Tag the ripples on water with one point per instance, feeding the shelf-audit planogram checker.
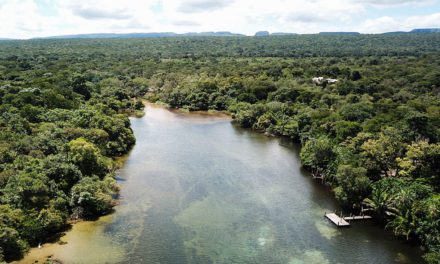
(195, 189)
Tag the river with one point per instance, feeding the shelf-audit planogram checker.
(197, 189)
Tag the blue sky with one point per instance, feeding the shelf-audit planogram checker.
(35, 18)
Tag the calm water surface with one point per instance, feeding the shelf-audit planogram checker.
(195, 189)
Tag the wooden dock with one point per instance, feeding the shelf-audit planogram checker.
(339, 221)
(359, 217)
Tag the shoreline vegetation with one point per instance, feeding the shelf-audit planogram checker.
(60, 141)
(374, 134)
(56, 243)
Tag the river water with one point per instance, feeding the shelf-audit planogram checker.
(196, 189)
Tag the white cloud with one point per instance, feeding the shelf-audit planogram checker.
(184, 23)
(380, 24)
(428, 21)
(93, 13)
(246, 16)
(389, 24)
(197, 6)
(24, 18)
(20, 16)
(395, 2)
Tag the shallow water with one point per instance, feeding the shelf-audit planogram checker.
(196, 189)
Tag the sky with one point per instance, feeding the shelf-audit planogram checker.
(39, 18)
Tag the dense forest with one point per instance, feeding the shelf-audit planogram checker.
(370, 128)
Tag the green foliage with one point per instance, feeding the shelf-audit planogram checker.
(422, 162)
(91, 197)
(374, 134)
(64, 174)
(399, 201)
(27, 190)
(79, 86)
(346, 129)
(60, 125)
(247, 114)
(381, 154)
(11, 243)
(317, 154)
(357, 112)
(87, 157)
(353, 185)
(427, 216)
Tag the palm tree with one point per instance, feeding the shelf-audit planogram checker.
(403, 225)
(381, 203)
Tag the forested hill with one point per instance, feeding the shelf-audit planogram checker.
(296, 46)
(371, 127)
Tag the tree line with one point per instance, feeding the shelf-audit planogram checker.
(373, 135)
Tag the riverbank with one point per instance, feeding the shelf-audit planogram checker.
(196, 189)
(79, 231)
(188, 113)
(348, 207)
(80, 238)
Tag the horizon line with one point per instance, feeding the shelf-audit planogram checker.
(227, 33)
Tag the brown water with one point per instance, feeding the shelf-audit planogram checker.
(196, 189)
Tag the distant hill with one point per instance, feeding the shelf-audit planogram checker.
(425, 30)
(282, 34)
(266, 33)
(262, 34)
(210, 34)
(417, 30)
(339, 33)
(142, 35)
(396, 32)
(113, 35)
